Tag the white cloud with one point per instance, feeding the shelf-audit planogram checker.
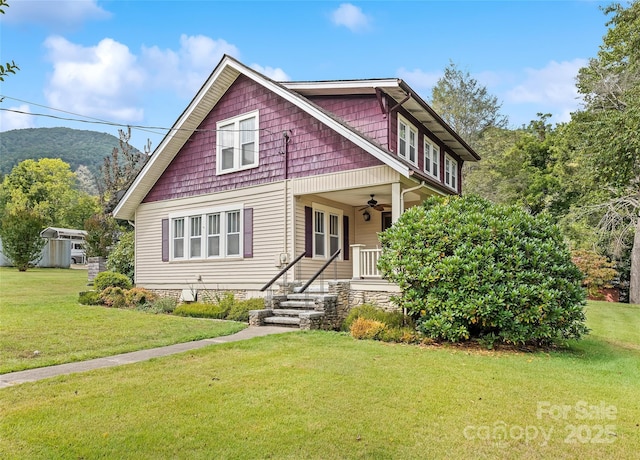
(351, 17)
(13, 120)
(419, 79)
(186, 69)
(275, 74)
(99, 81)
(54, 13)
(553, 84)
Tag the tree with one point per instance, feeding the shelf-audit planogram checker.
(609, 125)
(470, 269)
(21, 241)
(119, 172)
(8, 67)
(466, 105)
(102, 231)
(47, 187)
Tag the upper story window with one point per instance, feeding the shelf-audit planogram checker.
(212, 233)
(237, 143)
(450, 172)
(407, 140)
(431, 158)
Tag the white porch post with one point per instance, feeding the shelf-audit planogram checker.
(396, 202)
(355, 253)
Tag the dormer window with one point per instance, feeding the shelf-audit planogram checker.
(237, 143)
(407, 140)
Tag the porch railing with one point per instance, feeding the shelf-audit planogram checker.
(365, 261)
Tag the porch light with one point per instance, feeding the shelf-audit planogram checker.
(366, 216)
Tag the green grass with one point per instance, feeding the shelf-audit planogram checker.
(327, 396)
(39, 312)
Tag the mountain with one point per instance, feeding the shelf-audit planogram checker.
(74, 146)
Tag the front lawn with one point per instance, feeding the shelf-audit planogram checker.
(42, 323)
(324, 395)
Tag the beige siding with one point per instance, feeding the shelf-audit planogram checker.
(378, 175)
(267, 202)
(341, 269)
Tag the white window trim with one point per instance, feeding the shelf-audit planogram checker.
(237, 151)
(410, 127)
(434, 151)
(453, 172)
(203, 213)
(327, 210)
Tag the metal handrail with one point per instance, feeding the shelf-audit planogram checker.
(282, 272)
(319, 272)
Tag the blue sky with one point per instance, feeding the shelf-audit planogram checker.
(141, 62)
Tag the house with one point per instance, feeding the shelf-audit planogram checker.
(257, 174)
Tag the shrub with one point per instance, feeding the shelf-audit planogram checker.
(240, 309)
(389, 318)
(89, 298)
(165, 304)
(471, 269)
(121, 257)
(400, 335)
(114, 297)
(201, 310)
(138, 297)
(363, 329)
(107, 279)
(597, 270)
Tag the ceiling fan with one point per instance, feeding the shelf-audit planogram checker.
(373, 203)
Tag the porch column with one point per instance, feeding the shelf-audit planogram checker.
(396, 202)
(355, 261)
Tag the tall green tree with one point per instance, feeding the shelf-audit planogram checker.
(609, 126)
(466, 105)
(47, 187)
(20, 234)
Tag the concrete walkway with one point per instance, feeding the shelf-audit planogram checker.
(32, 375)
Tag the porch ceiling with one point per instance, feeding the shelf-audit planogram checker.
(359, 197)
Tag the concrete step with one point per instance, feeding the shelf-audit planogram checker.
(289, 311)
(298, 304)
(309, 296)
(291, 321)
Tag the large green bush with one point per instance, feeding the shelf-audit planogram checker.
(107, 279)
(121, 258)
(471, 269)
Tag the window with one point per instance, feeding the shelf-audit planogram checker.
(327, 234)
(195, 237)
(451, 172)
(212, 234)
(407, 140)
(237, 143)
(233, 233)
(319, 235)
(431, 159)
(178, 239)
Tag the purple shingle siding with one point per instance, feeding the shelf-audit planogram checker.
(313, 148)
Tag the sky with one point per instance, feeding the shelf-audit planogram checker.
(119, 63)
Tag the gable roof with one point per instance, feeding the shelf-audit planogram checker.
(223, 76)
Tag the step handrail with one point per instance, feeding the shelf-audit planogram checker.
(282, 272)
(313, 278)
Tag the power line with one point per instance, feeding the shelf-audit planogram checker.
(98, 121)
